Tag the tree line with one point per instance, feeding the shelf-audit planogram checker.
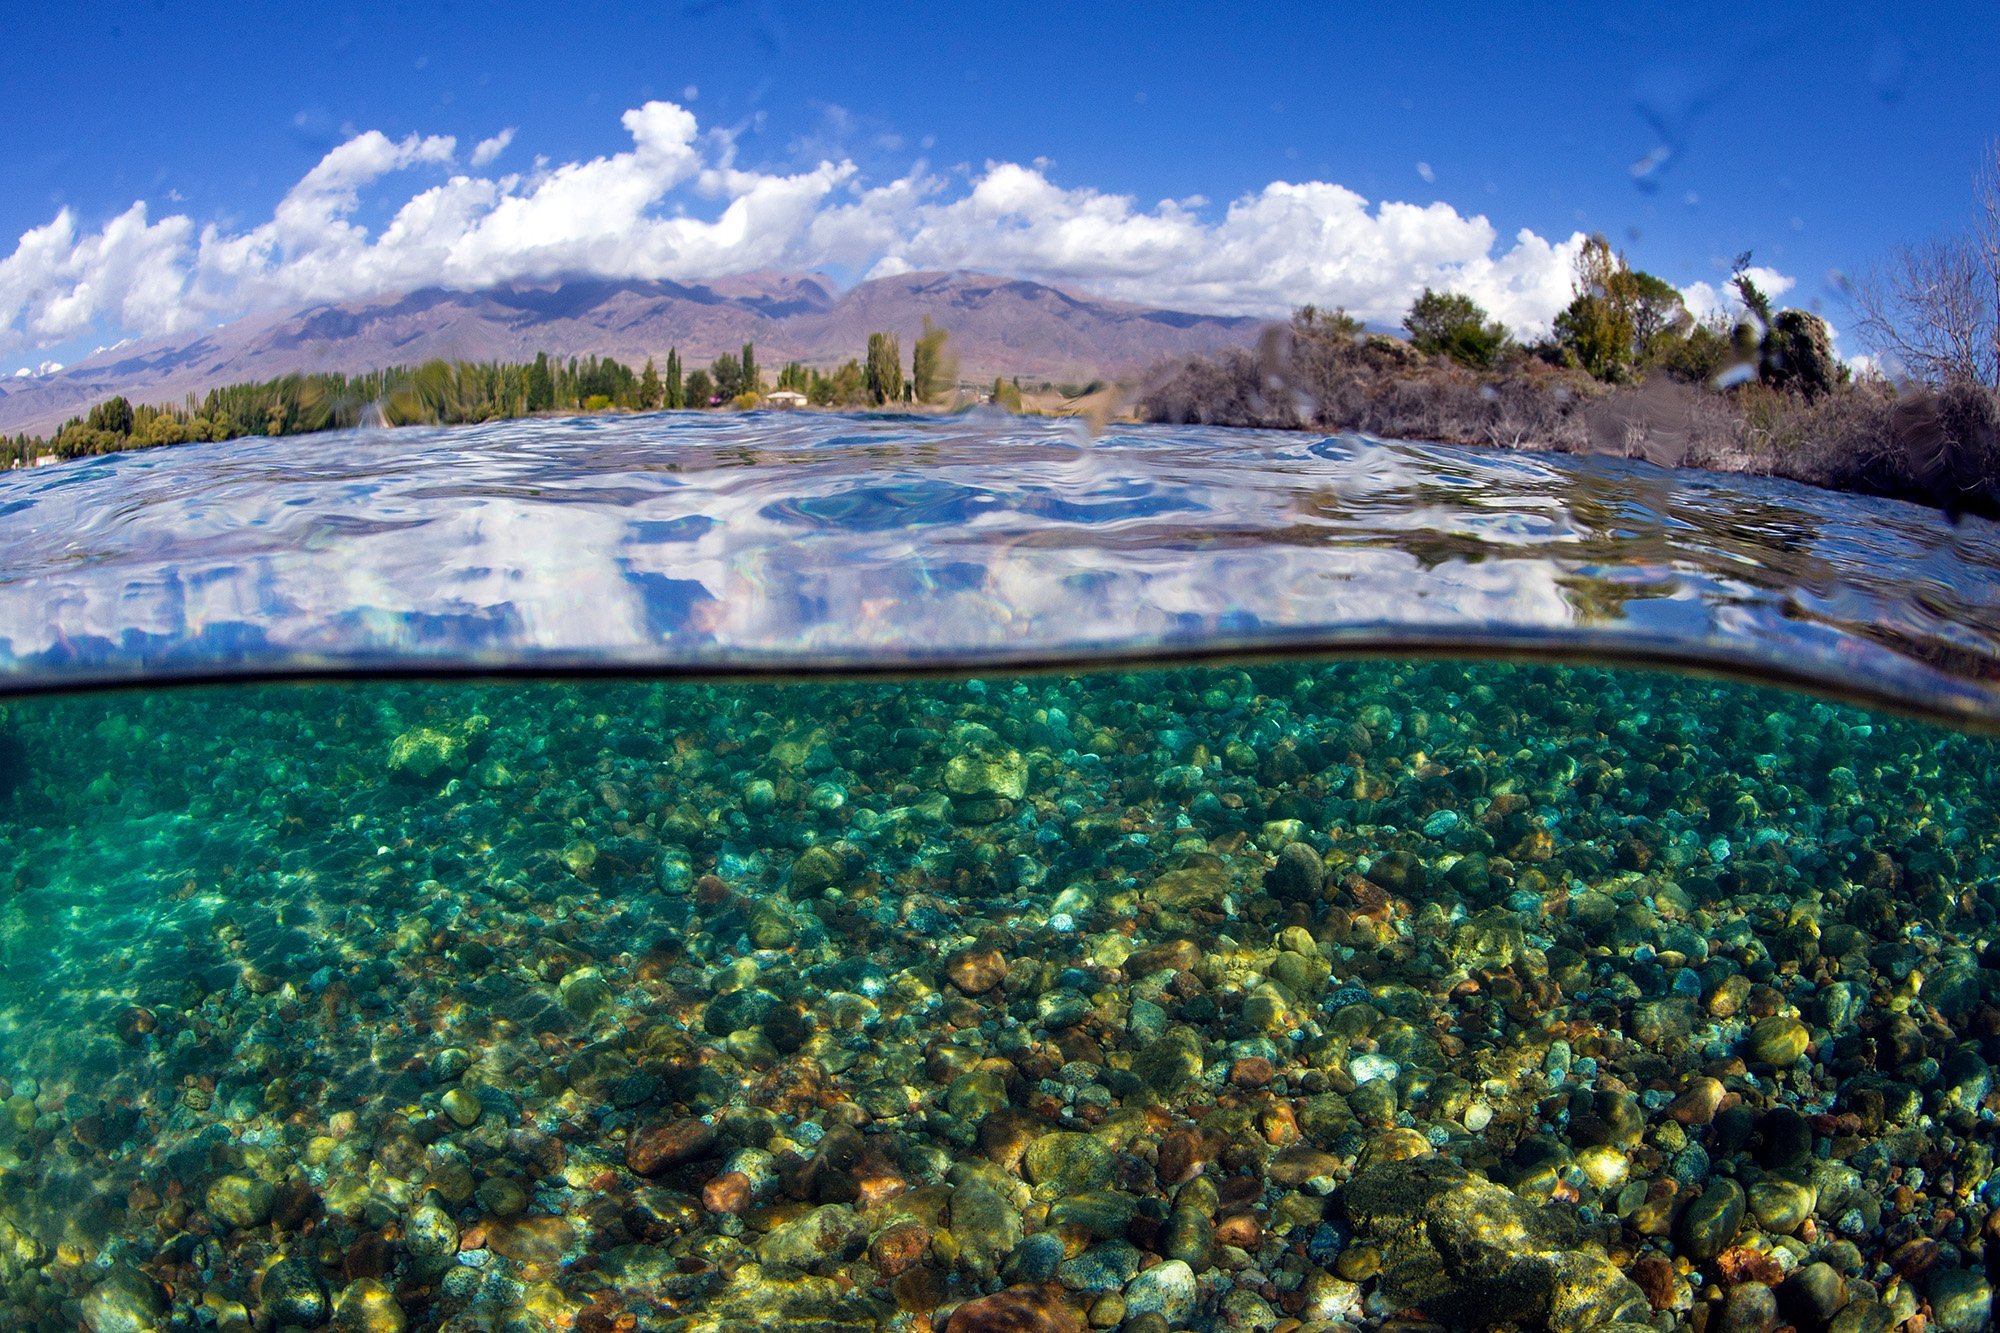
(468, 392)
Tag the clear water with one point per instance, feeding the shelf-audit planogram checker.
(1289, 992)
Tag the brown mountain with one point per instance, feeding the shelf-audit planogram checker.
(999, 326)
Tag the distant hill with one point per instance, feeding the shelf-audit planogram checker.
(999, 326)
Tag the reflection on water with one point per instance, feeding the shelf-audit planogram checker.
(676, 539)
(1306, 996)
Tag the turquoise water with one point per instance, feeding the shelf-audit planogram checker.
(1280, 994)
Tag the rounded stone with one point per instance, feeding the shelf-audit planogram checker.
(1781, 1205)
(462, 1106)
(1712, 1220)
(368, 1306)
(126, 1301)
(293, 1294)
(1778, 1042)
(239, 1202)
(1751, 1307)
(1961, 1301)
(1065, 1163)
(1166, 1289)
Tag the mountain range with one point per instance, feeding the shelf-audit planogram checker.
(998, 326)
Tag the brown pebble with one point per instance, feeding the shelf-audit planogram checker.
(1038, 1309)
(1743, 1264)
(655, 1147)
(1915, 1258)
(727, 1193)
(976, 971)
(899, 1248)
(1252, 1071)
(1181, 1152)
(1698, 1104)
(1172, 956)
(1655, 1277)
(1242, 1231)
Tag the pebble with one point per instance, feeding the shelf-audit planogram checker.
(1166, 1289)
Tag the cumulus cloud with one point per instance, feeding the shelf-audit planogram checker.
(489, 149)
(676, 204)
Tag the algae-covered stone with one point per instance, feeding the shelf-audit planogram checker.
(125, 1301)
(1712, 1220)
(1468, 1251)
(983, 766)
(293, 1294)
(1103, 1213)
(368, 1306)
(1190, 1237)
(975, 1094)
(823, 1237)
(1199, 887)
(1961, 1301)
(985, 1226)
(462, 1106)
(1065, 1163)
(1173, 1062)
(423, 752)
(1778, 1042)
(817, 869)
(239, 1202)
(1781, 1205)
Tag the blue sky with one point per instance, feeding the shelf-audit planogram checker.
(1040, 139)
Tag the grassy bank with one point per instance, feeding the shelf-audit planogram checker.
(1938, 446)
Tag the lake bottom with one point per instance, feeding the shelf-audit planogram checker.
(1298, 997)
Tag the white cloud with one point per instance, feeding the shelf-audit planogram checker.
(676, 204)
(489, 149)
(1706, 300)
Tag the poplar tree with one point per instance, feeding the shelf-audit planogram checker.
(885, 368)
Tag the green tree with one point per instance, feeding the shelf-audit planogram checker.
(794, 377)
(1452, 324)
(885, 368)
(727, 372)
(673, 390)
(112, 416)
(1660, 318)
(1006, 395)
(850, 384)
(752, 381)
(933, 370)
(651, 393)
(541, 385)
(699, 389)
(1596, 327)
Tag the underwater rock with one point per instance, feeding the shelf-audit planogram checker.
(1065, 1163)
(1466, 1249)
(825, 1236)
(656, 1147)
(423, 752)
(1777, 1042)
(976, 971)
(1023, 1309)
(985, 1226)
(1167, 1290)
(1298, 875)
(293, 1294)
(368, 1306)
(240, 1202)
(125, 1301)
(1712, 1220)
